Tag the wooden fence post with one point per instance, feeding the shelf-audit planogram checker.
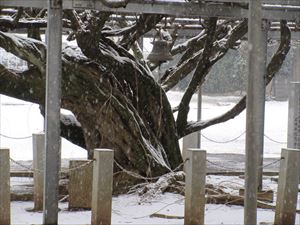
(195, 187)
(102, 186)
(287, 192)
(80, 184)
(38, 145)
(4, 187)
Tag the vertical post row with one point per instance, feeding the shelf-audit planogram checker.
(287, 187)
(195, 187)
(253, 120)
(102, 186)
(4, 187)
(53, 96)
(38, 145)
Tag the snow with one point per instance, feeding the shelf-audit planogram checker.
(131, 209)
(21, 119)
(128, 210)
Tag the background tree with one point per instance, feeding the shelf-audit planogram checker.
(110, 88)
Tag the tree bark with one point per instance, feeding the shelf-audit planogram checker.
(112, 106)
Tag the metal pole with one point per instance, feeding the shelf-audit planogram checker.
(253, 116)
(293, 139)
(261, 104)
(199, 114)
(53, 95)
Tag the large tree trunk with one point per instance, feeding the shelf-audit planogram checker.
(117, 102)
(119, 107)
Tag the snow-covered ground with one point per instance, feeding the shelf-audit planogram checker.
(132, 209)
(127, 210)
(20, 119)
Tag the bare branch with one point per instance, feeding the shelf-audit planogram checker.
(220, 48)
(76, 22)
(272, 68)
(201, 70)
(144, 24)
(189, 43)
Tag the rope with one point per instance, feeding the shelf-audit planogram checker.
(271, 139)
(77, 167)
(61, 171)
(221, 166)
(135, 175)
(274, 162)
(236, 138)
(180, 165)
(233, 169)
(63, 198)
(223, 142)
(15, 138)
(23, 166)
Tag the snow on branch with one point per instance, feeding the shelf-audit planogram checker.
(28, 49)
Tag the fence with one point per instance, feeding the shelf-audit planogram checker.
(101, 183)
(101, 187)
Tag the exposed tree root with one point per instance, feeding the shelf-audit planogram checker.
(174, 182)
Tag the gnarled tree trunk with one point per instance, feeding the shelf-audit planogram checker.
(113, 95)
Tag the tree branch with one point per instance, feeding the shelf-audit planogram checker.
(198, 76)
(272, 68)
(186, 67)
(32, 51)
(76, 23)
(144, 24)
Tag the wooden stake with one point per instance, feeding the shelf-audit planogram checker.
(4, 187)
(102, 186)
(287, 187)
(195, 187)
